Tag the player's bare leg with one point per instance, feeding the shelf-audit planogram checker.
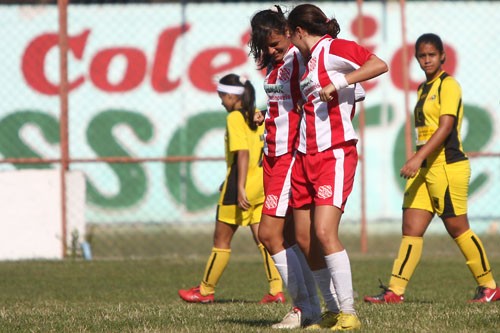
(309, 244)
(275, 294)
(326, 225)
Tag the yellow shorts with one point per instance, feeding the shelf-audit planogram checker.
(440, 189)
(232, 214)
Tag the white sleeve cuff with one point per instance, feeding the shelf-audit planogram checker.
(339, 81)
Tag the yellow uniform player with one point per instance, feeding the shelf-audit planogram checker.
(431, 189)
(438, 180)
(240, 137)
(242, 194)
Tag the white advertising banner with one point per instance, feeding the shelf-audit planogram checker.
(31, 226)
(142, 84)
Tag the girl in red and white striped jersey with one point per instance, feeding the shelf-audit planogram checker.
(272, 50)
(324, 169)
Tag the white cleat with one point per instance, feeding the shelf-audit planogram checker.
(292, 319)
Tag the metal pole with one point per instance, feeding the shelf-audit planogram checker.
(362, 123)
(406, 81)
(63, 127)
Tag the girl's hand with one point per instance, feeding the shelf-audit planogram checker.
(243, 202)
(411, 167)
(326, 93)
(258, 118)
(299, 107)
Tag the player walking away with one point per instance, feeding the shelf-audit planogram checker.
(323, 172)
(438, 179)
(242, 193)
(272, 50)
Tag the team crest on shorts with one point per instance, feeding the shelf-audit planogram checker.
(271, 201)
(325, 191)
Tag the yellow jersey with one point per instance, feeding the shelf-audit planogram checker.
(441, 96)
(239, 136)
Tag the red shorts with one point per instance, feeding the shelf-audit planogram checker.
(277, 172)
(324, 178)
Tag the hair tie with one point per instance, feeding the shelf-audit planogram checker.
(327, 20)
(243, 80)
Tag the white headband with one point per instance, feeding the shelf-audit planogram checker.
(235, 90)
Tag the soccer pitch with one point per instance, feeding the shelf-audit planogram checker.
(140, 295)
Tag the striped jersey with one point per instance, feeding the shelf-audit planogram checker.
(328, 124)
(283, 92)
(441, 96)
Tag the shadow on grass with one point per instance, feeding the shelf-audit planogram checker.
(249, 322)
(406, 301)
(222, 301)
(227, 301)
(418, 301)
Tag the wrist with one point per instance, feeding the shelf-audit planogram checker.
(339, 81)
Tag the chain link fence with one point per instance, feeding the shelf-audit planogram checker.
(145, 126)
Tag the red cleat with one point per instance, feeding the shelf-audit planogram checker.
(386, 297)
(193, 295)
(278, 298)
(486, 295)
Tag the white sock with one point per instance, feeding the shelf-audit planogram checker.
(325, 284)
(340, 270)
(288, 265)
(310, 282)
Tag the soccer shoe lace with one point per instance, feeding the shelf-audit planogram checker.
(486, 295)
(346, 322)
(194, 295)
(268, 298)
(328, 319)
(292, 319)
(387, 296)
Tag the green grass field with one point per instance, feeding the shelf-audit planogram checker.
(109, 294)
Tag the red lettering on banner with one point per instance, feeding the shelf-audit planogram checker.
(33, 61)
(369, 28)
(163, 56)
(203, 71)
(132, 77)
(450, 64)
